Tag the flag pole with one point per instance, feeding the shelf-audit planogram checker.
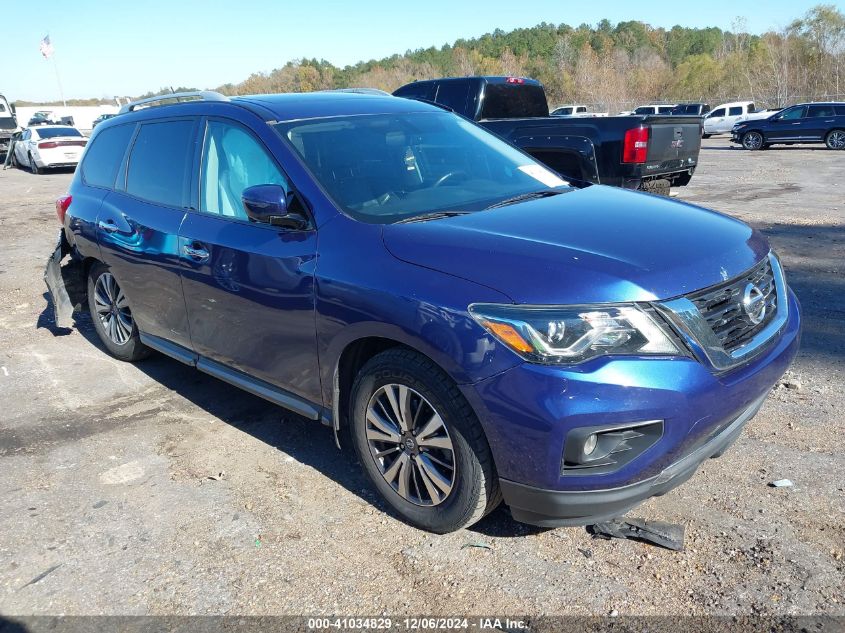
(58, 80)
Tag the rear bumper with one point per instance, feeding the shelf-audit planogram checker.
(553, 508)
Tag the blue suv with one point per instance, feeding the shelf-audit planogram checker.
(478, 328)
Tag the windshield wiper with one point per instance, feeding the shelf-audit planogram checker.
(531, 195)
(434, 215)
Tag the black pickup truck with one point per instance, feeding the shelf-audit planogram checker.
(649, 152)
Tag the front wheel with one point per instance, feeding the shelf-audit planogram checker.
(112, 316)
(752, 140)
(420, 443)
(33, 166)
(835, 139)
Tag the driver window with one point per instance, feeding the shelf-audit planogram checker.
(232, 161)
(719, 112)
(796, 113)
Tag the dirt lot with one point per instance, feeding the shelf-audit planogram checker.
(154, 489)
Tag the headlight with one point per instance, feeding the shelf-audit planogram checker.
(572, 334)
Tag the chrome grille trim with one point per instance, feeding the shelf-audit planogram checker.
(700, 336)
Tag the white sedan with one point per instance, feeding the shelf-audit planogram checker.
(45, 146)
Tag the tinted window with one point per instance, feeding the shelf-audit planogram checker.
(582, 109)
(719, 112)
(665, 110)
(454, 95)
(51, 132)
(750, 107)
(644, 110)
(417, 90)
(840, 110)
(158, 165)
(735, 111)
(506, 101)
(232, 161)
(794, 113)
(562, 111)
(821, 110)
(104, 155)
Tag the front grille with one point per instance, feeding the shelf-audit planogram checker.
(722, 307)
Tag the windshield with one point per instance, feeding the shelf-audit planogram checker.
(50, 132)
(383, 168)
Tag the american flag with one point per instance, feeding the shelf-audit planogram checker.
(46, 47)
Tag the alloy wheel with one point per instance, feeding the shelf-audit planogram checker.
(836, 139)
(112, 309)
(410, 445)
(752, 140)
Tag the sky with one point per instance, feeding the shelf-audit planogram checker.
(103, 49)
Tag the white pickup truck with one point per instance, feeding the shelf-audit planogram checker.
(575, 110)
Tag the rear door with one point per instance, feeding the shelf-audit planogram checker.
(819, 120)
(138, 225)
(249, 287)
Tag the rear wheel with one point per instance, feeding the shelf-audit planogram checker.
(835, 139)
(420, 443)
(706, 135)
(752, 141)
(112, 316)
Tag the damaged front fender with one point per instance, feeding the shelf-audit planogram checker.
(65, 283)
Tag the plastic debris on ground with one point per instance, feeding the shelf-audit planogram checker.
(668, 535)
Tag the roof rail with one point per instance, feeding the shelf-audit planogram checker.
(175, 97)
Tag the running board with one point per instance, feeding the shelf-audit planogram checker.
(234, 377)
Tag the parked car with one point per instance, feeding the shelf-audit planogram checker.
(722, 118)
(643, 152)
(654, 108)
(8, 126)
(575, 111)
(690, 109)
(48, 146)
(802, 123)
(101, 118)
(483, 329)
(42, 117)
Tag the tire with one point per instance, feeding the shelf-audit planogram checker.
(706, 135)
(753, 141)
(452, 448)
(835, 139)
(114, 323)
(35, 169)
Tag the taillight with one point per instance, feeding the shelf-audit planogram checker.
(47, 145)
(62, 204)
(635, 148)
(515, 80)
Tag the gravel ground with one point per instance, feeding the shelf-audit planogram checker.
(155, 489)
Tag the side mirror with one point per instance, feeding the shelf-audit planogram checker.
(268, 204)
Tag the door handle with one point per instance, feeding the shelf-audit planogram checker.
(196, 252)
(797, 123)
(107, 225)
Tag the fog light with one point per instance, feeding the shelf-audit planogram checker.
(590, 444)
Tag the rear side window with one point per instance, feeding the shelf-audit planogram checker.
(821, 110)
(735, 111)
(158, 165)
(104, 155)
(417, 90)
(507, 101)
(840, 110)
(454, 94)
(665, 110)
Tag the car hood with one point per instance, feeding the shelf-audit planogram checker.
(598, 244)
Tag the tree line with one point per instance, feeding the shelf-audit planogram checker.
(610, 66)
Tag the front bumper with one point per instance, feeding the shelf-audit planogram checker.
(528, 412)
(554, 508)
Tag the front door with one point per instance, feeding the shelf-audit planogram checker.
(249, 287)
(788, 125)
(138, 226)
